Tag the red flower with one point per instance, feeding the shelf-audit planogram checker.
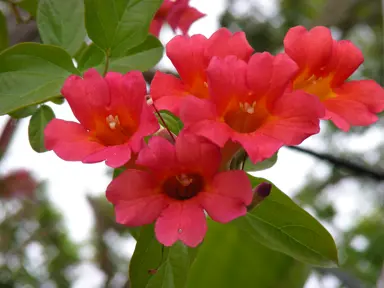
(177, 13)
(191, 57)
(181, 181)
(16, 183)
(325, 65)
(249, 105)
(113, 114)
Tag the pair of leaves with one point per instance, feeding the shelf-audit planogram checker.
(33, 73)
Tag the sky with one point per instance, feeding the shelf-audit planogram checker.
(69, 182)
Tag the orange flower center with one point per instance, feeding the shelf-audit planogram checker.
(246, 117)
(319, 86)
(112, 132)
(183, 186)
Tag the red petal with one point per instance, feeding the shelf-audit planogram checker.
(227, 82)
(135, 197)
(114, 156)
(88, 97)
(258, 146)
(346, 58)
(345, 112)
(141, 211)
(295, 117)
(235, 44)
(181, 220)
(185, 19)
(187, 55)
(155, 27)
(196, 153)
(167, 91)
(159, 155)
(69, 140)
(309, 49)
(367, 92)
(231, 193)
(127, 95)
(270, 75)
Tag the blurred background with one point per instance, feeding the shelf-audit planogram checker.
(57, 229)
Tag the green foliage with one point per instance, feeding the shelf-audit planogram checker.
(142, 57)
(230, 258)
(29, 5)
(283, 226)
(24, 112)
(146, 259)
(4, 40)
(32, 73)
(37, 124)
(173, 122)
(118, 25)
(173, 271)
(61, 23)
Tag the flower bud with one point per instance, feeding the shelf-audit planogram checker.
(260, 192)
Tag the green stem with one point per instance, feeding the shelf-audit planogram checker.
(107, 55)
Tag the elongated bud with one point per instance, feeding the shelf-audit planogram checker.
(260, 192)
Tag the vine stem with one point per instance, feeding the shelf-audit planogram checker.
(106, 67)
(163, 122)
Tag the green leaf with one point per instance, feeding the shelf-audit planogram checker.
(118, 25)
(37, 124)
(29, 5)
(146, 258)
(142, 57)
(173, 271)
(91, 57)
(61, 23)
(32, 73)
(24, 112)
(230, 258)
(282, 225)
(118, 171)
(173, 123)
(266, 164)
(4, 40)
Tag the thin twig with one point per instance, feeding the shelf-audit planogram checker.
(356, 169)
(163, 122)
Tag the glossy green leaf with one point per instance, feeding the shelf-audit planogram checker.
(37, 124)
(32, 73)
(173, 271)
(266, 164)
(61, 23)
(24, 112)
(146, 259)
(230, 258)
(91, 57)
(282, 225)
(118, 25)
(142, 57)
(4, 39)
(29, 5)
(173, 123)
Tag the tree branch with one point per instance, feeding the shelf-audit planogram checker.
(354, 168)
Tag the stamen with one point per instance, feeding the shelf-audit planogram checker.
(180, 231)
(184, 180)
(246, 107)
(206, 84)
(112, 121)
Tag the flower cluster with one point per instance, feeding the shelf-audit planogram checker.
(229, 98)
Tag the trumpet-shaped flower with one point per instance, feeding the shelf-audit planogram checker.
(324, 66)
(177, 13)
(249, 105)
(113, 114)
(191, 57)
(179, 182)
